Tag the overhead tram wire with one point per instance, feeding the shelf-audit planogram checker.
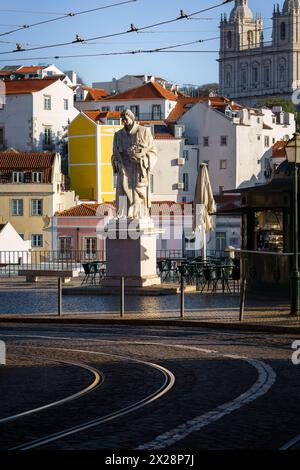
(66, 15)
(133, 29)
(120, 53)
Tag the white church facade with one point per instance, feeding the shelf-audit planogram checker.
(251, 69)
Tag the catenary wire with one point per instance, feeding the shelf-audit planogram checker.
(66, 15)
(121, 33)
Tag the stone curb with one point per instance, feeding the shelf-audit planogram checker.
(295, 330)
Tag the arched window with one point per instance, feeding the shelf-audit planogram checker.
(282, 70)
(282, 31)
(229, 39)
(255, 74)
(267, 72)
(250, 38)
(228, 78)
(244, 76)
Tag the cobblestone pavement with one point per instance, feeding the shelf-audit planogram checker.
(232, 390)
(41, 299)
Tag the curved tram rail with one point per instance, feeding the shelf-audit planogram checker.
(169, 381)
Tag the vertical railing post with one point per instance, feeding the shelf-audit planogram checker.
(59, 296)
(182, 288)
(242, 299)
(122, 296)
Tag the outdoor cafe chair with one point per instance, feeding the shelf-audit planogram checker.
(210, 278)
(167, 269)
(100, 267)
(89, 273)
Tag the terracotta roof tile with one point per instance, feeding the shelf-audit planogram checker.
(100, 115)
(27, 161)
(95, 94)
(27, 86)
(148, 91)
(158, 208)
(31, 69)
(182, 106)
(83, 210)
(184, 103)
(162, 136)
(278, 149)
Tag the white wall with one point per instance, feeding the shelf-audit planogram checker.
(10, 240)
(145, 106)
(24, 117)
(57, 117)
(203, 121)
(166, 172)
(88, 105)
(246, 149)
(16, 118)
(119, 85)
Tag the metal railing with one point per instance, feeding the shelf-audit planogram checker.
(13, 261)
(178, 254)
(156, 116)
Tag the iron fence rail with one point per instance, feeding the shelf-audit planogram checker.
(13, 261)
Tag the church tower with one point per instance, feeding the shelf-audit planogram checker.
(252, 70)
(286, 40)
(239, 34)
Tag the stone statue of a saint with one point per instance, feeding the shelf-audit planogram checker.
(133, 159)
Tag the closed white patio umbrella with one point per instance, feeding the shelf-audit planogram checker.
(204, 205)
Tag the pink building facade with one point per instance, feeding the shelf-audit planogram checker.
(78, 228)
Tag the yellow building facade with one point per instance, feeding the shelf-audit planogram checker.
(31, 192)
(90, 150)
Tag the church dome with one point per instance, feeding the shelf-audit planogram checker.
(241, 11)
(290, 5)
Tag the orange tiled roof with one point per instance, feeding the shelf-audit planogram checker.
(83, 210)
(94, 115)
(278, 149)
(27, 161)
(184, 104)
(27, 86)
(266, 126)
(95, 94)
(165, 136)
(31, 69)
(93, 210)
(148, 91)
(182, 107)
(99, 115)
(5, 73)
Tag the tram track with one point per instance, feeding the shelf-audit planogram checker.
(266, 378)
(98, 379)
(169, 381)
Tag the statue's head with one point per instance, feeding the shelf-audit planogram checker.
(128, 118)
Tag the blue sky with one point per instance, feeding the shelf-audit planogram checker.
(179, 68)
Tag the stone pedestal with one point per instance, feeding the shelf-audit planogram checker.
(131, 252)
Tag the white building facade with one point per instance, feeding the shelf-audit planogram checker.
(36, 114)
(148, 102)
(127, 82)
(236, 144)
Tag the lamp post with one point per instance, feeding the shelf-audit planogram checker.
(293, 155)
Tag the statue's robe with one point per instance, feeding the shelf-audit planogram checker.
(133, 196)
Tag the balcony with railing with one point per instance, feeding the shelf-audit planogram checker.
(155, 116)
